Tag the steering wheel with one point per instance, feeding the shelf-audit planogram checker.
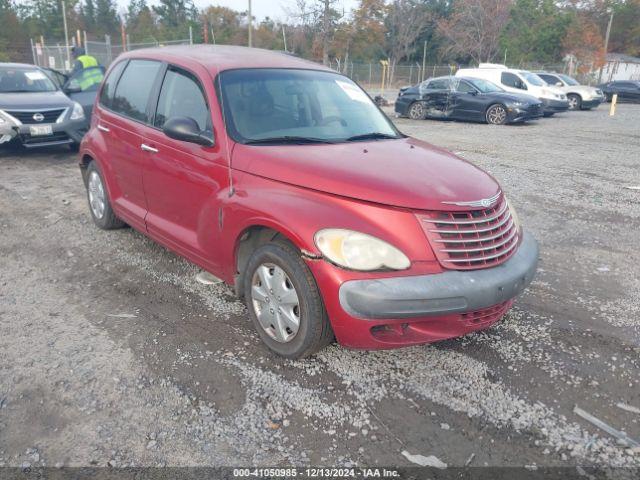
(331, 119)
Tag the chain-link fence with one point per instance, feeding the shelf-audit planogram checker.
(58, 56)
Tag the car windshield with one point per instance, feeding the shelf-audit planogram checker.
(533, 79)
(299, 106)
(485, 86)
(18, 80)
(569, 80)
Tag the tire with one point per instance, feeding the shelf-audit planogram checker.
(417, 111)
(496, 114)
(575, 101)
(98, 198)
(608, 98)
(273, 272)
(548, 114)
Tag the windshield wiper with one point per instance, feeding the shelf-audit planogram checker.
(287, 139)
(370, 136)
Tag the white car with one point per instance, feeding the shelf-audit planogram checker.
(514, 80)
(581, 97)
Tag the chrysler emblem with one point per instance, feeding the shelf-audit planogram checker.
(484, 203)
(38, 117)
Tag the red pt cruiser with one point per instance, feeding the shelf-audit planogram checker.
(284, 179)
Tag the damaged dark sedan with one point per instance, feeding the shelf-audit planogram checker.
(470, 99)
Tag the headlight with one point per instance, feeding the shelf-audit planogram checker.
(77, 113)
(517, 104)
(359, 251)
(514, 215)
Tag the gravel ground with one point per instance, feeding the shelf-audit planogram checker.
(111, 353)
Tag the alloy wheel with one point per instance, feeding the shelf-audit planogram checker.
(573, 102)
(416, 111)
(496, 115)
(96, 195)
(275, 302)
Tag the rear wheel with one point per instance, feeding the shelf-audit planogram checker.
(284, 301)
(99, 205)
(575, 102)
(417, 111)
(496, 115)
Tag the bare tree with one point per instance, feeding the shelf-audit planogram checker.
(320, 16)
(474, 28)
(406, 21)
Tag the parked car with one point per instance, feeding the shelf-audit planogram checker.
(580, 97)
(463, 98)
(627, 90)
(519, 81)
(38, 113)
(76, 87)
(285, 180)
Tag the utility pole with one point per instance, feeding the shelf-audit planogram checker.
(66, 33)
(284, 38)
(606, 44)
(250, 25)
(325, 32)
(424, 61)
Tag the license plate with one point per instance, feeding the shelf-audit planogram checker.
(40, 130)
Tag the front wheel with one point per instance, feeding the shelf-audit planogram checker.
(417, 111)
(284, 302)
(575, 102)
(496, 115)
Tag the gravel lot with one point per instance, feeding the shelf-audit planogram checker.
(111, 353)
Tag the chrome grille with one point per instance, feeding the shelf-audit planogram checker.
(472, 239)
(26, 116)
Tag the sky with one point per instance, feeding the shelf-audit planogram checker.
(275, 9)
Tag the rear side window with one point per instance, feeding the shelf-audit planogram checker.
(182, 96)
(441, 84)
(511, 80)
(132, 93)
(109, 87)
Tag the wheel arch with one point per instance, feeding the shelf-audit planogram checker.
(251, 238)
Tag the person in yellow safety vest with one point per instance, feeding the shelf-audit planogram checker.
(85, 69)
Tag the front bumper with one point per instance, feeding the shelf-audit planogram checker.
(592, 103)
(554, 106)
(443, 293)
(411, 310)
(523, 113)
(63, 133)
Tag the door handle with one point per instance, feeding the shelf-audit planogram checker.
(147, 148)
(103, 129)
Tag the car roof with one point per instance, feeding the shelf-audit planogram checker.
(217, 58)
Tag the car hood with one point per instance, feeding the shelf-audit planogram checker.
(406, 172)
(35, 100)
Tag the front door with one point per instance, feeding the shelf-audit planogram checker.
(182, 180)
(467, 103)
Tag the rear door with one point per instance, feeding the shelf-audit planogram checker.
(629, 90)
(183, 181)
(122, 119)
(436, 97)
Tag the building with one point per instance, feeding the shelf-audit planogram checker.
(619, 66)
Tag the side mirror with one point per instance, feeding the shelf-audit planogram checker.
(71, 89)
(473, 92)
(559, 84)
(186, 129)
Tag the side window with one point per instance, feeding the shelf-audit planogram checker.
(511, 80)
(133, 90)
(440, 84)
(182, 96)
(109, 87)
(550, 79)
(464, 87)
